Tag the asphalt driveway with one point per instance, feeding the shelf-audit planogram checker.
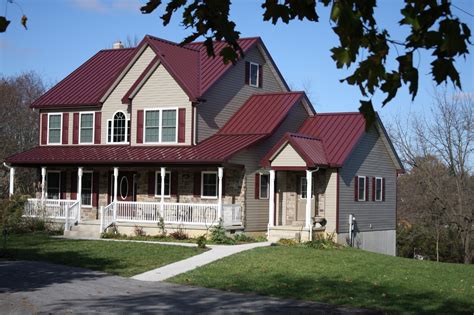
(37, 287)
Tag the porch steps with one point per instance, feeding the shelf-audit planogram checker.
(84, 229)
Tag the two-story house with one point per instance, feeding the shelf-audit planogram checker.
(164, 131)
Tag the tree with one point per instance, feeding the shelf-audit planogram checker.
(438, 152)
(432, 26)
(19, 125)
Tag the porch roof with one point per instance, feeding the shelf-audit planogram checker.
(216, 149)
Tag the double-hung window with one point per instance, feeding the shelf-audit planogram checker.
(54, 128)
(53, 181)
(158, 184)
(161, 126)
(264, 186)
(86, 194)
(254, 74)
(361, 191)
(378, 188)
(209, 185)
(86, 128)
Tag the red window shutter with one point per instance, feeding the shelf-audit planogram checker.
(174, 183)
(97, 127)
(366, 188)
(181, 125)
(65, 128)
(356, 188)
(383, 189)
(73, 185)
(257, 186)
(44, 128)
(63, 185)
(95, 188)
(151, 183)
(75, 128)
(140, 127)
(247, 72)
(223, 184)
(260, 76)
(373, 188)
(197, 184)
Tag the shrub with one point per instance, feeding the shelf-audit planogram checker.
(138, 231)
(241, 237)
(201, 241)
(161, 226)
(179, 234)
(218, 235)
(112, 232)
(287, 242)
(323, 242)
(11, 211)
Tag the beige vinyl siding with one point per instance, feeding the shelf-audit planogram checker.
(161, 91)
(331, 200)
(288, 157)
(370, 158)
(256, 210)
(230, 93)
(114, 102)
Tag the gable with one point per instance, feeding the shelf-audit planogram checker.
(288, 157)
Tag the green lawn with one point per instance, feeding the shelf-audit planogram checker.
(119, 258)
(345, 277)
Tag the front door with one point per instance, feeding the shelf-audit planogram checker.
(126, 189)
(301, 202)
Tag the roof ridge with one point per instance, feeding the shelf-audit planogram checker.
(117, 49)
(335, 113)
(277, 93)
(166, 41)
(220, 41)
(302, 135)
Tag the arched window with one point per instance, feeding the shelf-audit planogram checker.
(118, 130)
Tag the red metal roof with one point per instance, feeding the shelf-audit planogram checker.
(88, 83)
(324, 139)
(216, 149)
(189, 65)
(261, 113)
(340, 132)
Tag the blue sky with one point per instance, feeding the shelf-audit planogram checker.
(64, 34)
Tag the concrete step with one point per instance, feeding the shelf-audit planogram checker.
(84, 229)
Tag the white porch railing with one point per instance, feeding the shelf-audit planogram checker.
(50, 208)
(107, 217)
(232, 215)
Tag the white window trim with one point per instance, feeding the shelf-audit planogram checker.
(300, 195)
(92, 192)
(381, 188)
(250, 74)
(60, 128)
(158, 177)
(127, 123)
(47, 181)
(202, 185)
(160, 127)
(358, 188)
(260, 188)
(93, 127)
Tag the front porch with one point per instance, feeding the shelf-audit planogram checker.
(189, 196)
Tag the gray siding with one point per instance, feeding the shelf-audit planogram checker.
(256, 210)
(370, 158)
(230, 93)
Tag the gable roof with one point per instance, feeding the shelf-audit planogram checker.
(262, 113)
(310, 149)
(189, 65)
(87, 84)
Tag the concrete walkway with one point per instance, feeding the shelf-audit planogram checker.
(217, 252)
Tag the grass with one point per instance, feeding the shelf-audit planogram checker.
(118, 258)
(344, 277)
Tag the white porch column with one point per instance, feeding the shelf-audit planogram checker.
(271, 200)
(12, 181)
(220, 175)
(116, 173)
(43, 184)
(79, 192)
(309, 196)
(162, 192)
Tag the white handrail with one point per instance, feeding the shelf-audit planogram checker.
(107, 216)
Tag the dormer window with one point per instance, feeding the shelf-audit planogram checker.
(118, 128)
(253, 74)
